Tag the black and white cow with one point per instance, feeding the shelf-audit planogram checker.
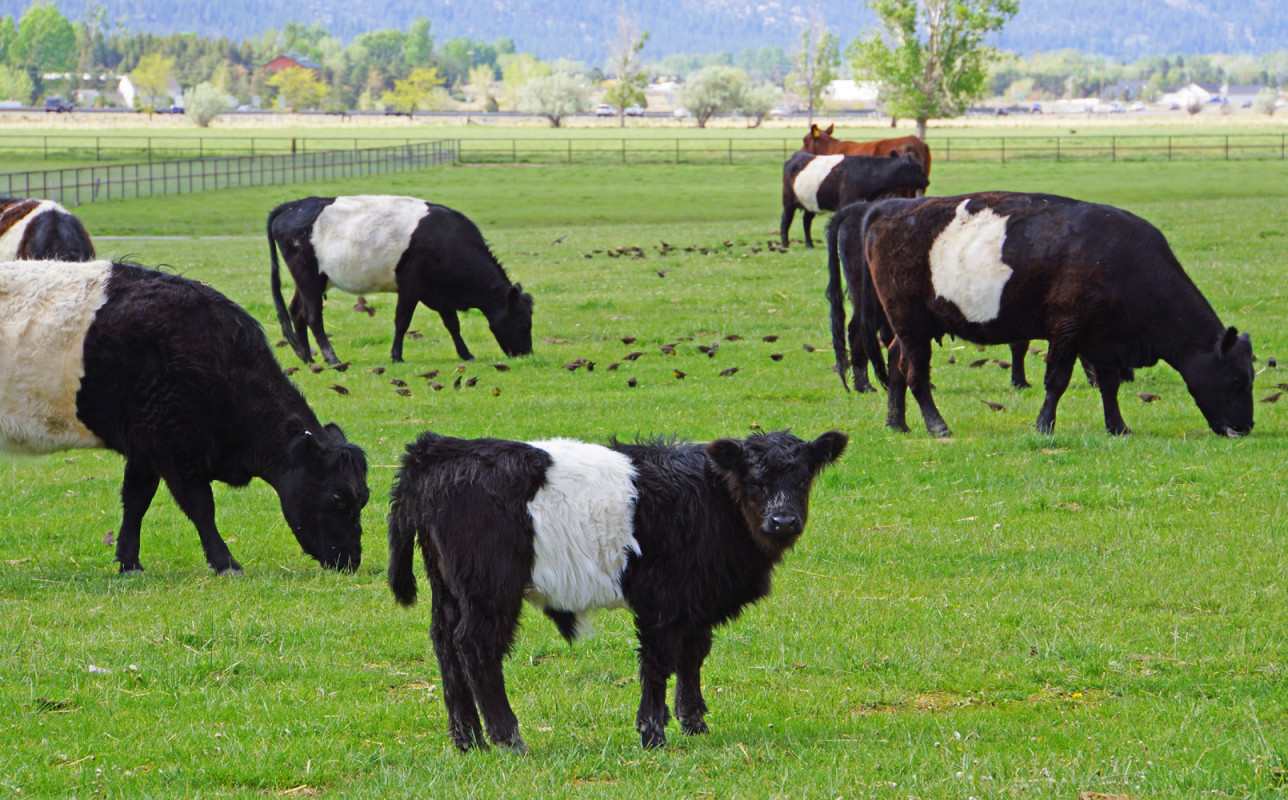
(826, 183)
(685, 536)
(997, 267)
(365, 244)
(181, 381)
(41, 230)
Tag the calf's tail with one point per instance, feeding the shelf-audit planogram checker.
(402, 552)
(834, 298)
(871, 314)
(275, 281)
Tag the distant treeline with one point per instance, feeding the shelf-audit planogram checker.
(93, 52)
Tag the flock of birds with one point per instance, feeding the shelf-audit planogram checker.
(669, 349)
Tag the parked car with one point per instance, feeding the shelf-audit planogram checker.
(605, 110)
(681, 112)
(635, 110)
(58, 105)
(1138, 106)
(169, 109)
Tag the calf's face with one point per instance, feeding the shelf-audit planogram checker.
(323, 494)
(1221, 383)
(770, 476)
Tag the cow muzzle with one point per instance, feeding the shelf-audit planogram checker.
(783, 524)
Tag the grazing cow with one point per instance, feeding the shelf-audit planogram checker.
(181, 381)
(365, 244)
(819, 142)
(685, 536)
(41, 230)
(996, 267)
(826, 183)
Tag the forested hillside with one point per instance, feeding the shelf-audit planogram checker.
(558, 28)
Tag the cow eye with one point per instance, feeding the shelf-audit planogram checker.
(339, 500)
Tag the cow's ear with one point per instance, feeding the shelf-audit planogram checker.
(831, 128)
(827, 448)
(813, 129)
(728, 455)
(1228, 340)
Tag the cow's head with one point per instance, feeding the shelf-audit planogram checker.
(511, 324)
(769, 476)
(323, 489)
(1220, 380)
(906, 177)
(819, 140)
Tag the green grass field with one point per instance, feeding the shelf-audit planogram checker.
(1002, 614)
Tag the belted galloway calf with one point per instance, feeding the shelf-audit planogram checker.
(366, 244)
(684, 535)
(181, 381)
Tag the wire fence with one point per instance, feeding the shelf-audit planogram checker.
(999, 149)
(73, 186)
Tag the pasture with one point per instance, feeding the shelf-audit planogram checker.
(1002, 614)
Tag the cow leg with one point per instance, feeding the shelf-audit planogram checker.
(403, 313)
(690, 707)
(197, 501)
(896, 390)
(137, 491)
(1018, 352)
(462, 716)
(916, 359)
(1060, 361)
(299, 320)
(858, 358)
(657, 663)
(453, 325)
(312, 308)
(789, 213)
(807, 219)
(1108, 381)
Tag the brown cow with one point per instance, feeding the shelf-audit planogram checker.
(819, 142)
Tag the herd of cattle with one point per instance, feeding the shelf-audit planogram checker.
(183, 383)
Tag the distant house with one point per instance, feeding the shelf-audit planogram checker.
(133, 97)
(846, 93)
(1240, 96)
(293, 60)
(1191, 94)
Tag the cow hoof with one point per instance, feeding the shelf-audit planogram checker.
(652, 736)
(1123, 431)
(941, 431)
(864, 388)
(897, 426)
(235, 572)
(131, 569)
(515, 745)
(693, 727)
(1020, 385)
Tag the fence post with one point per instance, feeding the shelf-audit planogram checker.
(96, 148)
(1113, 149)
(46, 140)
(570, 151)
(1003, 149)
(1169, 148)
(677, 151)
(1057, 149)
(623, 149)
(730, 151)
(948, 149)
(1227, 147)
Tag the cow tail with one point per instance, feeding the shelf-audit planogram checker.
(275, 281)
(834, 298)
(402, 549)
(872, 315)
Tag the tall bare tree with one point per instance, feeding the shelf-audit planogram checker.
(816, 64)
(625, 63)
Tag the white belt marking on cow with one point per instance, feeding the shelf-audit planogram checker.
(11, 239)
(585, 530)
(966, 266)
(811, 177)
(46, 308)
(359, 240)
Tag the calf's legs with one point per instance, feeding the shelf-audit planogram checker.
(690, 707)
(1109, 380)
(1060, 361)
(658, 655)
(462, 716)
(453, 325)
